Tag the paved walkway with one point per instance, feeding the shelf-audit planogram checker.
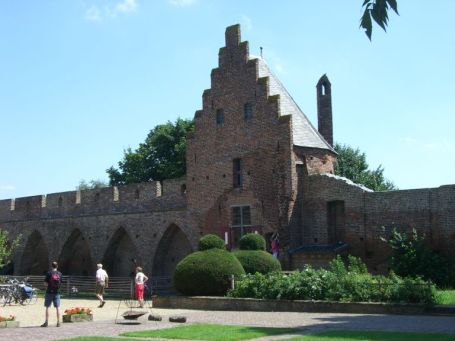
(31, 317)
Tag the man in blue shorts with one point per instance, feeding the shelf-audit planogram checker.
(53, 280)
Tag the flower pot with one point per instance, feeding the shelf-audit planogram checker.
(78, 318)
(9, 324)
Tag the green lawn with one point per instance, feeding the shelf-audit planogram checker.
(98, 338)
(445, 296)
(345, 335)
(212, 332)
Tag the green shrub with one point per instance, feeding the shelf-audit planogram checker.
(341, 282)
(211, 241)
(206, 272)
(413, 257)
(252, 241)
(257, 261)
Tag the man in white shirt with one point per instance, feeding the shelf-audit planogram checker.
(101, 283)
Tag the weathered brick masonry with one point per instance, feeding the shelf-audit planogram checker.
(254, 163)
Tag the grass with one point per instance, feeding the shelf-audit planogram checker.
(98, 338)
(212, 332)
(346, 335)
(445, 296)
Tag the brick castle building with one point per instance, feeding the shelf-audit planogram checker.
(255, 163)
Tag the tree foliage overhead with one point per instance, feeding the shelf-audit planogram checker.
(161, 156)
(352, 164)
(378, 11)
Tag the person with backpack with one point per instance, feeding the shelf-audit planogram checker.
(53, 280)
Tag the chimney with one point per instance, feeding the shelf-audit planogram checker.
(324, 100)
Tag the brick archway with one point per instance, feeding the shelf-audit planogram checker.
(75, 258)
(119, 254)
(35, 259)
(173, 247)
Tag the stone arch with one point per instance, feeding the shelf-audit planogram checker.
(35, 258)
(119, 254)
(173, 247)
(75, 258)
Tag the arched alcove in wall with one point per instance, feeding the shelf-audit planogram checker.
(173, 247)
(35, 258)
(75, 258)
(119, 254)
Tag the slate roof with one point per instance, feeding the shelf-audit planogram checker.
(304, 134)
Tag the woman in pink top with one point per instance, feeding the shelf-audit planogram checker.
(275, 245)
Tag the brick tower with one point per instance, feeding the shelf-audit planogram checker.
(324, 99)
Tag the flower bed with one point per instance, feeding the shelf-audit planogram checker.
(8, 322)
(78, 315)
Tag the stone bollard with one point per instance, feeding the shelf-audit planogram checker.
(154, 317)
(177, 319)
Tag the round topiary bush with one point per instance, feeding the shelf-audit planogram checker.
(211, 241)
(257, 261)
(206, 273)
(252, 241)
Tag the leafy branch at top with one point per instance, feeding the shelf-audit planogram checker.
(378, 11)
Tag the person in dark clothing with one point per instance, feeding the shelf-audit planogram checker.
(53, 280)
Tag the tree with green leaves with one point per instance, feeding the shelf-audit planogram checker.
(377, 10)
(413, 257)
(92, 184)
(7, 247)
(161, 156)
(352, 164)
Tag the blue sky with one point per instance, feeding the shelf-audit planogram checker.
(80, 81)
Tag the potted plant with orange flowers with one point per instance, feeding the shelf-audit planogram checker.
(78, 314)
(8, 322)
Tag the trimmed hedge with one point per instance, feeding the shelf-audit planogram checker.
(257, 261)
(211, 241)
(252, 241)
(206, 273)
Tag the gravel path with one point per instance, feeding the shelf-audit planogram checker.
(31, 317)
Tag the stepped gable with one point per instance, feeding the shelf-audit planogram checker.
(304, 133)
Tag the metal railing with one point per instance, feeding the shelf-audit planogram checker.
(80, 285)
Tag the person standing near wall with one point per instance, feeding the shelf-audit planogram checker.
(102, 282)
(53, 280)
(275, 245)
(139, 281)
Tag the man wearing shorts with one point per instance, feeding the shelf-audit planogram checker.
(101, 283)
(53, 280)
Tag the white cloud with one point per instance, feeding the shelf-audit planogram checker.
(126, 6)
(182, 3)
(97, 14)
(246, 22)
(93, 14)
(7, 188)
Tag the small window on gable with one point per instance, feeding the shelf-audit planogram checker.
(237, 173)
(247, 112)
(323, 89)
(60, 202)
(219, 116)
